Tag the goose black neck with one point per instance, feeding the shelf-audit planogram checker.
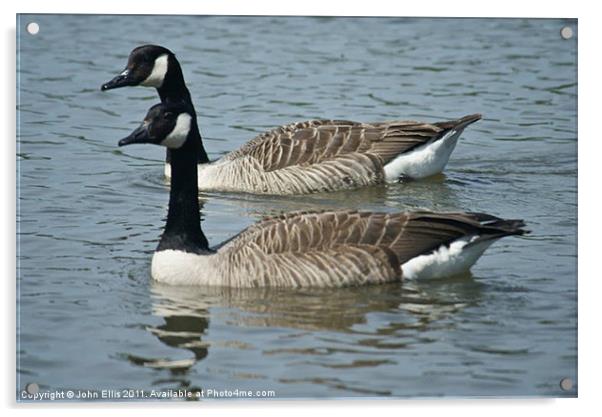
(174, 91)
(183, 228)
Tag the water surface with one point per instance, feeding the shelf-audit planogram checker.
(90, 214)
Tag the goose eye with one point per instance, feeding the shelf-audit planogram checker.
(168, 115)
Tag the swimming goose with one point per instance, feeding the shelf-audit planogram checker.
(304, 157)
(321, 249)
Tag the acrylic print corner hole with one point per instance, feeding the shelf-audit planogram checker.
(395, 221)
(566, 384)
(32, 28)
(566, 32)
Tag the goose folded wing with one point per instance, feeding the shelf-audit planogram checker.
(340, 248)
(315, 141)
(406, 234)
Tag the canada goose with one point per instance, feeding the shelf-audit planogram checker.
(304, 157)
(322, 249)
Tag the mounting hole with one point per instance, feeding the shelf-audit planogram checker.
(566, 32)
(32, 388)
(566, 384)
(32, 28)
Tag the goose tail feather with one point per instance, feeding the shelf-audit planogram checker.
(460, 123)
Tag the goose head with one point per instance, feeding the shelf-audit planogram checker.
(165, 125)
(149, 66)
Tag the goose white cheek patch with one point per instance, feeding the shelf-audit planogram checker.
(178, 135)
(156, 77)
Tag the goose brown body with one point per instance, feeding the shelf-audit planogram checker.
(328, 249)
(322, 155)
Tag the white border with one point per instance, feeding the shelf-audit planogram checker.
(589, 225)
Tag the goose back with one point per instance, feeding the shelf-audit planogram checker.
(315, 141)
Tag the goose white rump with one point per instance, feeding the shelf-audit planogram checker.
(449, 260)
(424, 161)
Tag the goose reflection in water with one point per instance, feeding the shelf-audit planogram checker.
(187, 311)
(183, 328)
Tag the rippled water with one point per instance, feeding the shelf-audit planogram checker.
(90, 214)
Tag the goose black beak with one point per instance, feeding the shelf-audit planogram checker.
(122, 80)
(140, 135)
